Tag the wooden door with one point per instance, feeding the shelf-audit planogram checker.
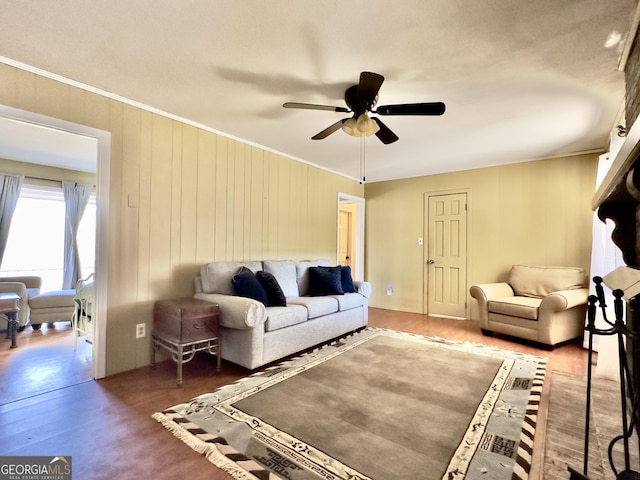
(446, 259)
(344, 228)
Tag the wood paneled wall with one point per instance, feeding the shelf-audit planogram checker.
(181, 196)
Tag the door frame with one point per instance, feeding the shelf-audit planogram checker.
(343, 198)
(102, 226)
(425, 248)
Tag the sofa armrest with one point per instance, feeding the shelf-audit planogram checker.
(197, 284)
(486, 291)
(564, 300)
(363, 288)
(237, 312)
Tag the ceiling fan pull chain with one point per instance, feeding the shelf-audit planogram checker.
(362, 158)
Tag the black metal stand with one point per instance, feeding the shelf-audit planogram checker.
(627, 388)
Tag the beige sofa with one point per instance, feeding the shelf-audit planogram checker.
(254, 334)
(26, 287)
(542, 304)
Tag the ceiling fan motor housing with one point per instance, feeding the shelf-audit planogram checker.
(358, 106)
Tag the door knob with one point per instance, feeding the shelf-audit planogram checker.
(431, 262)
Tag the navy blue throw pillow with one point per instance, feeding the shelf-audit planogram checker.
(246, 284)
(347, 280)
(325, 281)
(275, 295)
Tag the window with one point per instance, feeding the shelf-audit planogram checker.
(36, 239)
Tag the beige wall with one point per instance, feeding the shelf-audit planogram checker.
(533, 213)
(180, 197)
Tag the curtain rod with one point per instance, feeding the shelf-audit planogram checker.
(30, 177)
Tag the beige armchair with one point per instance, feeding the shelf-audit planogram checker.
(26, 287)
(546, 305)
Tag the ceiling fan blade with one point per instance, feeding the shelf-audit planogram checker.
(431, 108)
(311, 106)
(368, 88)
(385, 135)
(329, 130)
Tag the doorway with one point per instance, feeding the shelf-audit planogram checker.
(103, 139)
(445, 267)
(350, 242)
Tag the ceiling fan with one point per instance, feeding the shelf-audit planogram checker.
(362, 98)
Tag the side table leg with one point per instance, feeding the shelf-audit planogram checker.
(154, 349)
(219, 355)
(179, 359)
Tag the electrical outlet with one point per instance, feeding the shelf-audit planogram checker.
(141, 330)
(389, 290)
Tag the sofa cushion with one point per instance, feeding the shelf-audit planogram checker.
(285, 273)
(316, 306)
(347, 280)
(302, 273)
(349, 301)
(523, 307)
(282, 317)
(216, 276)
(325, 281)
(246, 284)
(541, 281)
(275, 295)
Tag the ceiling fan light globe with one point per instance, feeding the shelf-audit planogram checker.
(362, 127)
(364, 123)
(349, 127)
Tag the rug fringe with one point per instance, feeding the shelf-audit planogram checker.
(209, 450)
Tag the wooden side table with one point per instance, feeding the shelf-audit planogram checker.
(185, 326)
(9, 307)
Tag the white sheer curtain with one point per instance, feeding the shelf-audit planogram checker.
(10, 186)
(605, 257)
(76, 197)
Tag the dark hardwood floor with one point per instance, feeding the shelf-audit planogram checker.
(106, 425)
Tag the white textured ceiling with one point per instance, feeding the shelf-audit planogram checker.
(33, 143)
(521, 80)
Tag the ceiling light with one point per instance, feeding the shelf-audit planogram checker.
(362, 127)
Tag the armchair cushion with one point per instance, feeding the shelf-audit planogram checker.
(541, 281)
(524, 307)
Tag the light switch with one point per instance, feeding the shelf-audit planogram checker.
(420, 241)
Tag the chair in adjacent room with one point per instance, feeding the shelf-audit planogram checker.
(26, 287)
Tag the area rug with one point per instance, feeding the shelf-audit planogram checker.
(379, 405)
